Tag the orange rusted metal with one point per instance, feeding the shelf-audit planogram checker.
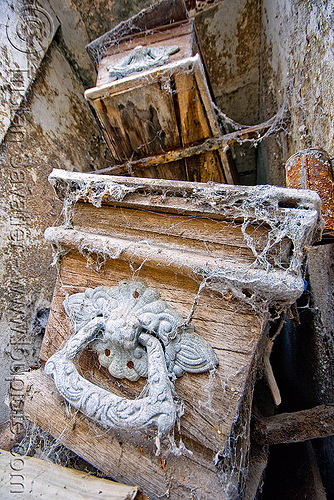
(311, 169)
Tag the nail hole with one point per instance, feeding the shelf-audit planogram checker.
(107, 352)
(136, 294)
(130, 364)
(288, 204)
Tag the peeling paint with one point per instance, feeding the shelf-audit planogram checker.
(56, 129)
(26, 31)
(297, 72)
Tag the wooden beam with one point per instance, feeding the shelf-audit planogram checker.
(213, 143)
(294, 427)
(36, 478)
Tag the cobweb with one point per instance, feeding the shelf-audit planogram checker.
(274, 239)
(275, 226)
(38, 443)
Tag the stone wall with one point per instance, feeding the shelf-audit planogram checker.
(297, 72)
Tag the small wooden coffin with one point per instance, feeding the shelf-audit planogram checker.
(181, 35)
(219, 256)
(151, 96)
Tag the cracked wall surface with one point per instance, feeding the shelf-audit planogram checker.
(297, 72)
(51, 126)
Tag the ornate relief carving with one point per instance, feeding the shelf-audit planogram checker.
(142, 58)
(136, 334)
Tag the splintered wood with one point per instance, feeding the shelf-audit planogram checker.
(23, 477)
(161, 110)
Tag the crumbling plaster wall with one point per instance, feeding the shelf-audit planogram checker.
(52, 128)
(101, 16)
(82, 21)
(229, 35)
(297, 72)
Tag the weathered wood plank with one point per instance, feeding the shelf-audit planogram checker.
(250, 283)
(34, 478)
(218, 201)
(214, 237)
(113, 130)
(236, 346)
(195, 118)
(211, 144)
(194, 128)
(228, 168)
(296, 426)
(132, 460)
(141, 122)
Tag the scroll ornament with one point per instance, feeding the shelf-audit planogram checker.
(142, 58)
(136, 334)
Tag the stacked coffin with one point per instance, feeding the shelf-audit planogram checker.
(158, 326)
(152, 96)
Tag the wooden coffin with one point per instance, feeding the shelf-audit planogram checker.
(181, 34)
(218, 255)
(145, 112)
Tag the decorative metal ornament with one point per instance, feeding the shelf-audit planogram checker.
(142, 58)
(135, 335)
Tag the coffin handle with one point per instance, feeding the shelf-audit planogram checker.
(157, 408)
